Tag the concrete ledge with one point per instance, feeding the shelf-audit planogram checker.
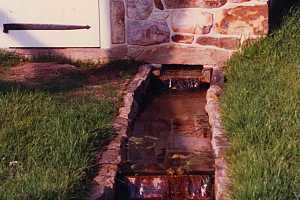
(180, 54)
(83, 54)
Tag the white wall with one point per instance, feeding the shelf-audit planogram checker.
(95, 13)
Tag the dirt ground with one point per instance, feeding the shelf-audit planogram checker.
(71, 80)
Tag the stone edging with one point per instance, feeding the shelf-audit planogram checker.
(220, 142)
(104, 182)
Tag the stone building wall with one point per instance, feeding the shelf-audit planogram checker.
(186, 31)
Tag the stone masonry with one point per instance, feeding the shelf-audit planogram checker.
(203, 32)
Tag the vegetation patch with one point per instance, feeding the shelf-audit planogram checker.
(261, 114)
(8, 59)
(49, 138)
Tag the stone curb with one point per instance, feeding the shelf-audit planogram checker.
(220, 142)
(103, 184)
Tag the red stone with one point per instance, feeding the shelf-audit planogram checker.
(191, 21)
(194, 3)
(186, 39)
(243, 20)
(226, 43)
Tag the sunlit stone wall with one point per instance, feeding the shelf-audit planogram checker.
(187, 31)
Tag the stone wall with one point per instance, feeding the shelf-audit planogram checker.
(108, 161)
(186, 31)
(220, 141)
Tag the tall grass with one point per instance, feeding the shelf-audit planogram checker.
(261, 114)
(47, 143)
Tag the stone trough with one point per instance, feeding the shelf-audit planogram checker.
(170, 142)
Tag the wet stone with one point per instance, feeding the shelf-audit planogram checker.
(156, 72)
(176, 137)
(196, 187)
(169, 144)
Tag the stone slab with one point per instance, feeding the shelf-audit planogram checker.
(179, 54)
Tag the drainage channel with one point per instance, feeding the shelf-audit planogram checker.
(168, 153)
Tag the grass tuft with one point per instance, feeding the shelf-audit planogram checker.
(9, 59)
(261, 113)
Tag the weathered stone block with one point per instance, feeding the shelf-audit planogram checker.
(118, 22)
(103, 184)
(147, 32)
(194, 3)
(225, 42)
(182, 54)
(243, 20)
(111, 157)
(139, 9)
(159, 15)
(186, 39)
(195, 21)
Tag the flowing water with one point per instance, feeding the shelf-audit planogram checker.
(168, 153)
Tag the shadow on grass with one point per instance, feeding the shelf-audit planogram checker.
(82, 189)
(278, 10)
(53, 77)
(56, 85)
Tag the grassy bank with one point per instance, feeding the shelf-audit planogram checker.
(46, 144)
(48, 140)
(261, 113)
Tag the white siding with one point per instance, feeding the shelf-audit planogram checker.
(67, 12)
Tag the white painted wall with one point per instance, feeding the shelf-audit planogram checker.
(105, 24)
(68, 12)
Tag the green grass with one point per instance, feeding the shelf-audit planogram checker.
(48, 142)
(8, 59)
(261, 114)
